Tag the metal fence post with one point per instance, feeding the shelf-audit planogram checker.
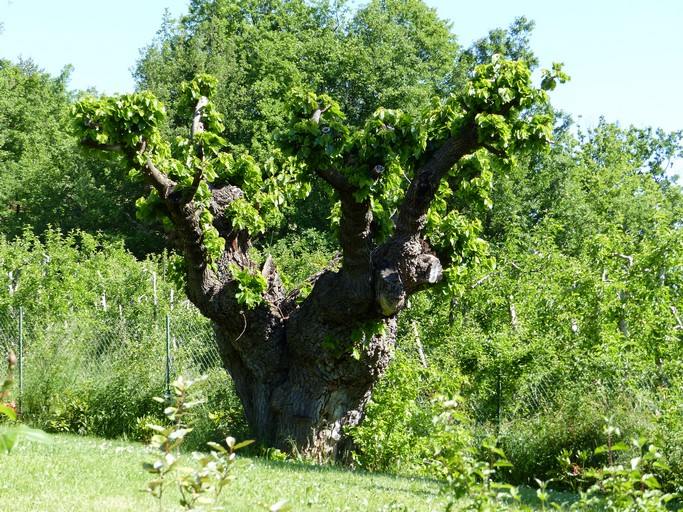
(167, 396)
(21, 358)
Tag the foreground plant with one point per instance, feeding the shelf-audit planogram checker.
(470, 482)
(630, 488)
(10, 436)
(199, 488)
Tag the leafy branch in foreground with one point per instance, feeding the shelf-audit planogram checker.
(10, 436)
(634, 487)
(200, 486)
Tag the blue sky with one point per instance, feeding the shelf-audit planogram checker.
(624, 56)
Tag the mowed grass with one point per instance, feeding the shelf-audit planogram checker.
(88, 474)
(83, 474)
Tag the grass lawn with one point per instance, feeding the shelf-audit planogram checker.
(89, 474)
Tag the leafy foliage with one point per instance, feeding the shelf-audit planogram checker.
(255, 52)
(380, 160)
(199, 488)
(46, 181)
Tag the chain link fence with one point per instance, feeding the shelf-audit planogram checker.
(97, 372)
(504, 397)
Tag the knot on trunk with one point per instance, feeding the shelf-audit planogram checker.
(428, 269)
(389, 292)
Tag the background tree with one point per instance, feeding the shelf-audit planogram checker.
(260, 50)
(44, 179)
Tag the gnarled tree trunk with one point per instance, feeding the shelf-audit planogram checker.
(304, 368)
(299, 368)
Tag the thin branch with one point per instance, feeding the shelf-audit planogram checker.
(319, 112)
(494, 151)
(482, 280)
(103, 147)
(623, 257)
(516, 267)
(678, 327)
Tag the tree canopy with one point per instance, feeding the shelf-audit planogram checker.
(388, 53)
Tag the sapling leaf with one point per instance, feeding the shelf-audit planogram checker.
(159, 440)
(150, 468)
(33, 434)
(8, 440)
(216, 447)
(620, 447)
(175, 444)
(661, 465)
(9, 412)
(243, 444)
(600, 449)
(179, 434)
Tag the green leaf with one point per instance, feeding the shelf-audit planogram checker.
(151, 468)
(217, 447)
(158, 440)
(243, 444)
(8, 440)
(620, 447)
(9, 412)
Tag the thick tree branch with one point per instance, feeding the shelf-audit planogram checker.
(355, 235)
(197, 125)
(197, 128)
(412, 213)
(405, 263)
(162, 183)
(336, 180)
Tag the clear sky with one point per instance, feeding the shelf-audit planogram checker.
(624, 56)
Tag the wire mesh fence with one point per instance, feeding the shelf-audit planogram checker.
(123, 361)
(502, 398)
(104, 368)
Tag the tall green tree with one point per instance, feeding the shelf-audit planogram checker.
(45, 180)
(388, 53)
(305, 361)
(587, 244)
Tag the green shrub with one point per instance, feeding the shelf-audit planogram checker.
(399, 418)
(539, 445)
